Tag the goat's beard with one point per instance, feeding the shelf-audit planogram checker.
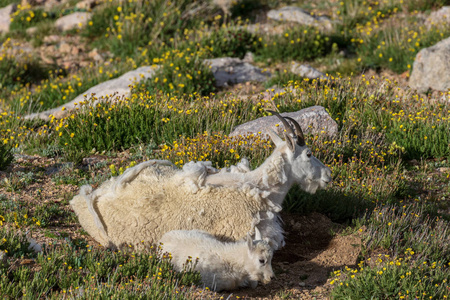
(310, 187)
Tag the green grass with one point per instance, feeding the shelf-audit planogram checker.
(400, 278)
(6, 156)
(76, 269)
(297, 43)
(23, 19)
(417, 260)
(180, 72)
(395, 48)
(4, 3)
(125, 28)
(17, 71)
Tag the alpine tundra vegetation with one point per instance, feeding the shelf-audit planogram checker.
(113, 169)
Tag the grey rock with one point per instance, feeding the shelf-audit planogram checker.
(118, 87)
(313, 120)
(229, 70)
(307, 71)
(73, 21)
(298, 15)
(5, 17)
(34, 245)
(431, 68)
(441, 16)
(249, 58)
(225, 5)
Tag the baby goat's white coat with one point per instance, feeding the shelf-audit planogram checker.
(155, 197)
(222, 265)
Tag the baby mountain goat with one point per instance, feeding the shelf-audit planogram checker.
(156, 197)
(222, 265)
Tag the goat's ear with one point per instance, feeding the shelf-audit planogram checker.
(250, 242)
(272, 243)
(275, 138)
(257, 234)
(290, 141)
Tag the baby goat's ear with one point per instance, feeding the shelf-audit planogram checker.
(271, 243)
(257, 234)
(275, 138)
(250, 242)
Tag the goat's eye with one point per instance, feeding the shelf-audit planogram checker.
(308, 154)
(262, 261)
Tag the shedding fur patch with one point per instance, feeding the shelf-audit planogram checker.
(194, 174)
(274, 173)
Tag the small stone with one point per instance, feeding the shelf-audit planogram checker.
(302, 284)
(65, 47)
(444, 170)
(95, 55)
(249, 58)
(229, 70)
(52, 39)
(75, 50)
(307, 71)
(31, 30)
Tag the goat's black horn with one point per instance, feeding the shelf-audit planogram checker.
(285, 123)
(298, 132)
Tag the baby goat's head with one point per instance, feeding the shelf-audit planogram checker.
(259, 265)
(307, 171)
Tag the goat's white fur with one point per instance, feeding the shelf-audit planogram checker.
(155, 197)
(222, 265)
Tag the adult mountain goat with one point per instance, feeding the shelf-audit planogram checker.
(155, 197)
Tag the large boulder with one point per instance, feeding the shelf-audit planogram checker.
(298, 15)
(230, 70)
(313, 120)
(117, 87)
(431, 68)
(73, 21)
(5, 17)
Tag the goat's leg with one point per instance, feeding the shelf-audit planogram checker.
(131, 173)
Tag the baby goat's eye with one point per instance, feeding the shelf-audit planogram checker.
(262, 261)
(308, 153)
